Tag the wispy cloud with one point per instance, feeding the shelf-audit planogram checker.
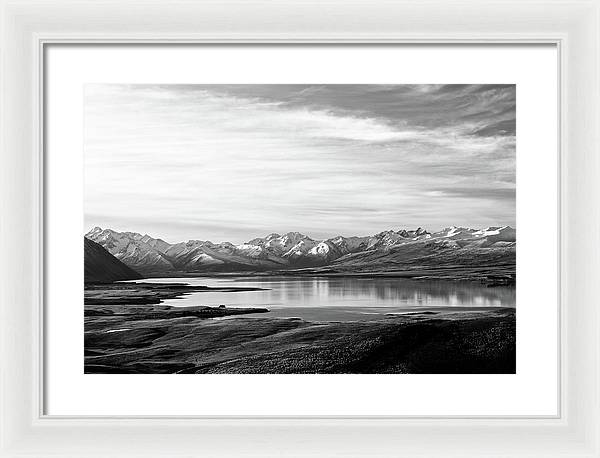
(208, 161)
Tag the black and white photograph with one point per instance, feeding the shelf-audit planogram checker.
(299, 229)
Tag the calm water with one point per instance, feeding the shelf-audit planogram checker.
(327, 298)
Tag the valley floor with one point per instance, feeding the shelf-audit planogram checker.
(161, 339)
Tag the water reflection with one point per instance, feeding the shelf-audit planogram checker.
(283, 292)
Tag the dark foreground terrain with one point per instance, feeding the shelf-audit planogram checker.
(161, 339)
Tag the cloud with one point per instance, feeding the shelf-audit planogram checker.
(228, 160)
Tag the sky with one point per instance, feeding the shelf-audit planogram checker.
(235, 162)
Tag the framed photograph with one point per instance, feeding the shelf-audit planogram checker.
(295, 229)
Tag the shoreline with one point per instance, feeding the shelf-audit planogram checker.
(487, 275)
(146, 293)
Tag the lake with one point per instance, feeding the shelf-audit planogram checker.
(341, 298)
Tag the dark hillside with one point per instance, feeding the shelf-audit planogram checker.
(102, 267)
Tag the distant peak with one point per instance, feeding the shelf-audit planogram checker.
(498, 229)
(95, 230)
(457, 228)
(296, 235)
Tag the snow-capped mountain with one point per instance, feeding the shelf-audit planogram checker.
(497, 234)
(293, 249)
(133, 249)
(454, 232)
(493, 233)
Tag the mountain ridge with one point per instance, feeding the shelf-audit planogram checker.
(294, 250)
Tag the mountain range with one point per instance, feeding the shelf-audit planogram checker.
(388, 250)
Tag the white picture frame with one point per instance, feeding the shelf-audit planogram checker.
(29, 25)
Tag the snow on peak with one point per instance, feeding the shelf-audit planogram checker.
(321, 249)
(95, 230)
(455, 232)
(498, 233)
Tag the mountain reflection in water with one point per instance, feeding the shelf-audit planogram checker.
(284, 292)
